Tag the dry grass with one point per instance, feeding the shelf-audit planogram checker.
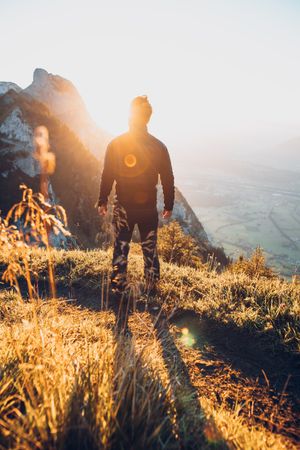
(68, 380)
(267, 308)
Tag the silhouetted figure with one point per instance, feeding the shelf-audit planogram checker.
(134, 160)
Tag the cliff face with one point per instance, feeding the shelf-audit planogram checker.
(75, 183)
(65, 103)
(5, 86)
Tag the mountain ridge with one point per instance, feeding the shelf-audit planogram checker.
(64, 101)
(75, 183)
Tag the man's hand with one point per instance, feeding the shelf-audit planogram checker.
(102, 210)
(166, 214)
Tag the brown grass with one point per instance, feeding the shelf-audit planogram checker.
(70, 380)
(268, 308)
(67, 380)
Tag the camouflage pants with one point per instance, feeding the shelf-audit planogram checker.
(124, 221)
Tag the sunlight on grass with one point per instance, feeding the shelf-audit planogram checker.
(70, 379)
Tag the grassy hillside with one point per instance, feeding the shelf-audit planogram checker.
(76, 179)
(208, 363)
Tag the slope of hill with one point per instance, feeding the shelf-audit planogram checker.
(5, 86)
(75, 183)
(204, 367)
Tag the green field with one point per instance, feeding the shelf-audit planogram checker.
(241, 212)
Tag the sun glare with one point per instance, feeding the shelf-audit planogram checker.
(187, 338)
(130, 160)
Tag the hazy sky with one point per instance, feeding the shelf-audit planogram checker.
(215, 69)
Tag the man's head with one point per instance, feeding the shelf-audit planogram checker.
(140, 111)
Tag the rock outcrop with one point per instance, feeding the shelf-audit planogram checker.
(75, 183)
(6, 86)
(63, 101)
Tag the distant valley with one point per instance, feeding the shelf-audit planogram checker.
(243, 205)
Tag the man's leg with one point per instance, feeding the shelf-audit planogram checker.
(123, 233)
(148, 231)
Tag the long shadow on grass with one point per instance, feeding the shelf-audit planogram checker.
(195, 431)
(80, 431)
(142, 419)
(192, 431)
(152, 419)
(138, 416)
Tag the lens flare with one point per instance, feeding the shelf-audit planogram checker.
(41, 139)
(42, 151)
(44, 156)
(130, 160)
(187, 337)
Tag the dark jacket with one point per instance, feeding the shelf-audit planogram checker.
(134, 160)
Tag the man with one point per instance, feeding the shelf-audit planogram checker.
(134, 160)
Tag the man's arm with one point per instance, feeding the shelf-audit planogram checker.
(167, 179)
(107, 179)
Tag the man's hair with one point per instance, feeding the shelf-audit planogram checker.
(141, 105)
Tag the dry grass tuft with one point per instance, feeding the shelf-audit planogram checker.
(68, 382)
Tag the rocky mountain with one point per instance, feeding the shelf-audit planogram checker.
(5, 86)
(64, 102)
(75, 183)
